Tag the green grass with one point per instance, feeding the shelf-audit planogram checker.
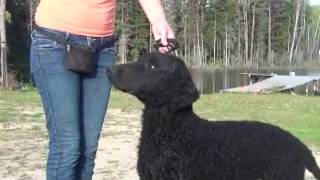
(298, 114)
(124, 101)
(14, 104)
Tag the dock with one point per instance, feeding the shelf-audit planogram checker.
(274, 83)
(255, 77)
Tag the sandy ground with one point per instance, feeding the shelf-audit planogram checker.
(23, 149)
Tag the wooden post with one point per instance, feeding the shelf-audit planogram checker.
(251, 79)
(292, 89)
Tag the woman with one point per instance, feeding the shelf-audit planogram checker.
(75, 103)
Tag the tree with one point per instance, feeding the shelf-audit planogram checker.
(3, 37)
(220, 32)
(295, 30)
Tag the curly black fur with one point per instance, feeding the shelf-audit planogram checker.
(176, 144)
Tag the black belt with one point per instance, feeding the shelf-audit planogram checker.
(62, 40)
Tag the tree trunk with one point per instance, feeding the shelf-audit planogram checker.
(308, 40)
(199, 58)
(185, 37)
(194, 58)
(226, 47)
(3, 60)
(315, 40)
(123, 40)
(215, 41)
(295, 31)
(123, 48)
(317, 45)
(30, 14)
(289, 37)
(252, 32)
(258, 56)
(239, 31)
(297, 46)
(150, 38)
(202, 41)
(246, 34)
(302, 31)
(269, 36)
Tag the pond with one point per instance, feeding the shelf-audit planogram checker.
(210, 80)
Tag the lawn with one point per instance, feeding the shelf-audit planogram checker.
(297, 114)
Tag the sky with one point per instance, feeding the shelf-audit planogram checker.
(314, 2)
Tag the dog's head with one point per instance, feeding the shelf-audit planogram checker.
(157, 80)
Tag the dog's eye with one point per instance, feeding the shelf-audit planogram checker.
(151, 66)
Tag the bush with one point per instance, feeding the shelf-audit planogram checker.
(13, 83)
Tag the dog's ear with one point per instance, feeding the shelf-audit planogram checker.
(185, 91)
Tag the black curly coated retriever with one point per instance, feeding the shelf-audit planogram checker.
(176, 144)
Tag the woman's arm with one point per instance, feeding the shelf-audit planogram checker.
(160, 27)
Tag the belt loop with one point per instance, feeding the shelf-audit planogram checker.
(67, 37)
(89, 41)
(101, 41)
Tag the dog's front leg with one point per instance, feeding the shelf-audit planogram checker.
(143, 171)
(154, 172)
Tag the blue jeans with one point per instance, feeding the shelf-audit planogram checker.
(74, 104)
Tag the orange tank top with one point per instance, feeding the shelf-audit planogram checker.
(94, 18)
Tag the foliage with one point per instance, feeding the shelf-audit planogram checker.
(18, 30)
(132, 22)
(208, 31)
(227, 25)
(7, 16)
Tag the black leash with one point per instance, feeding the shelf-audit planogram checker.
(172, 45)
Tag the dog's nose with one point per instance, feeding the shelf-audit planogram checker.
(110, 71)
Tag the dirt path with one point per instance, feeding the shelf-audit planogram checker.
(23, 149)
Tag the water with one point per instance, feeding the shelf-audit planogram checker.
(209, 80)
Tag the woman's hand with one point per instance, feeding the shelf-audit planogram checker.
(162, 30)
(160, 27)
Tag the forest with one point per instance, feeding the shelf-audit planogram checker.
(251, 33)
(222, 33)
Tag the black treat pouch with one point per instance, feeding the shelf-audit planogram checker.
(80, 59)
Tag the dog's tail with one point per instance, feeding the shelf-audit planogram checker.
(311, 164)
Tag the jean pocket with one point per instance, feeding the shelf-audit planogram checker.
(42, 42)
(110, 50)
(47, 57)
